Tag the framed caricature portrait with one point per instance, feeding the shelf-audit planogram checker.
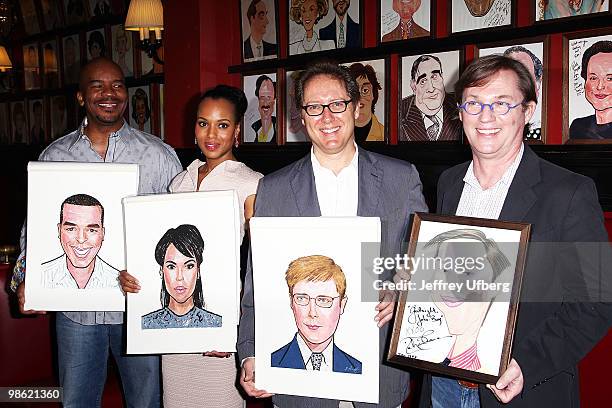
(188, 265)
(468, 15)
(294, 128)
(427, 104)
(320, 25)
(96, 44)
(122, 49)
(5, 124)
(553, 9)
(51, 14)
(534, 56)
(19, 123)
(29, 17)
(31, 66)
(314, 336)
(371, 77)
(260, 119)
(75, 11)
(99, 9)
(400, 20)
(140, 108)
(259, 24)
(36, 114)
(72, 58)
(50, 64)
(59, 116)
(457, 313)
(587, 72)
(75, 233)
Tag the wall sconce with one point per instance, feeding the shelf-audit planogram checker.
(5, 61)
(147, 17)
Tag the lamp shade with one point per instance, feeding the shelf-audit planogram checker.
(145, 14)
(5, 61)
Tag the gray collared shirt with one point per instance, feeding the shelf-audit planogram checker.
(157, 165)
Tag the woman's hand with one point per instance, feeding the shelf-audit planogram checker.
(219, 354)
(129, 284)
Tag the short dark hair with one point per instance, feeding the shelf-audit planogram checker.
(252, 10)
(140, 95)
(538, 69)
(233, 95)
(600, 46)
(417, 62)
(260, 80)
(480, 71)
(359, 70)
(330, 69)
(82, 200)
(96, 37)
(187, 239)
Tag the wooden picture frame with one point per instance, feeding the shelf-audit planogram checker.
(472, 15)
(412, 125)
(533, 52)
(431, 314)
(323, 30)
(71, 58)
(586, 115)
(295, 131)
(96, 42)
(264, 14)
(420, 23)
(31, 66)
(50, 67)
(140, 108)
(263, 101)
(76, 11)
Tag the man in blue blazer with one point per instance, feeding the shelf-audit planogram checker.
(351, 31)
(317, 294)
(565, 305)
(336, 179)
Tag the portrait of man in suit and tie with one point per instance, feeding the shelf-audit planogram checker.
(345, 32)
(255, 47)
(264, 128)
(430, 113)
(317, 298)
(406, 27)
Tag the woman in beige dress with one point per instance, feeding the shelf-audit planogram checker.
(196, 380)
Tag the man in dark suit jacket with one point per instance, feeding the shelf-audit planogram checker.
(257, 14)
(565, 300)
(386, 188)
(352, 30)
(431, 113)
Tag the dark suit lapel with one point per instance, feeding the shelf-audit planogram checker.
(304, 189)
(450, 198)
(521, 196)
(412, 124)
(369, 184)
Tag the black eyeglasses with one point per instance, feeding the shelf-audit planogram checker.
(316, 109)
(499, 108)
(303, 299)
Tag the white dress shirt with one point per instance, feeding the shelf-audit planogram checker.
(476, 202)
(327, 363)
(337, 194)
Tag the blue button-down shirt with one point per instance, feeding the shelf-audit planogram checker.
(157, 165)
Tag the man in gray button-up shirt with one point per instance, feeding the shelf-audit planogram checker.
(84, 337)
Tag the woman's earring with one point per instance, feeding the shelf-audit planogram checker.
(196, 141)
(236, 142)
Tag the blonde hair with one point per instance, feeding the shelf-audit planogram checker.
(315, 268)
(295, 12)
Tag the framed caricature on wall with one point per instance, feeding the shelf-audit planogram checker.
(320, 25)
(260, 118)
(457, 313)
(259, 25)
(400, 20)
(294, 128)
(122, 49)
(427, 104)
(371, 78)
(553, 9)
(533, 54)
(140, 108)
(588, 102)
(468, 15)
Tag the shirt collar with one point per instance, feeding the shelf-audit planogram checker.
(317, 167)
(506, 179)
(307, 353)
(119, 134)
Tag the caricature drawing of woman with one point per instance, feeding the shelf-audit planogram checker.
(307, 13)
(179, 255)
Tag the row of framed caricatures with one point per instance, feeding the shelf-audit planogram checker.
(427, 106)
(46, 15)
(57, 62)
(38, 121)
(320, 25)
